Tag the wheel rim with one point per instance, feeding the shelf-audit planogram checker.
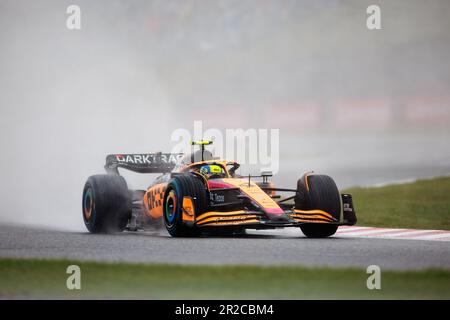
(88, 204)
(171, 207)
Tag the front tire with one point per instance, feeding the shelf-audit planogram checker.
(318, 192)
(318, 230)
(107, 204)
(185, 185)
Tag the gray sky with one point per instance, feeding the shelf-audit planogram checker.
(364, 106)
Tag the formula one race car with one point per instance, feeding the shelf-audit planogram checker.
(197, 194)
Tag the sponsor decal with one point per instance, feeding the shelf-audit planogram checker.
(217, 198)
(234, 222)
(147, 159)
(234, 218)
(155, 196)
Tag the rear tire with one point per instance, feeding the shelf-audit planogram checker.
(318, 192)
(178, 188)
(106, 204)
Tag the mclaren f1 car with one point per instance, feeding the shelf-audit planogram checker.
(196, 194)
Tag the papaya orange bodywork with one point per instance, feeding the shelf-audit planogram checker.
(188, 209)
(154, 200)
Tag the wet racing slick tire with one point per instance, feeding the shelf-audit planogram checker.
(184, 185)
(318, 192)
(107, 203)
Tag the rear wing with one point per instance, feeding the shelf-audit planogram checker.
(142, 162)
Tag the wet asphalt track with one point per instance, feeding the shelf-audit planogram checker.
(291, 248)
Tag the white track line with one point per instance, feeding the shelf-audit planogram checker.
(435, 236)
(364, 233)
(386, 233)
(346, 228)
(369, 233)
(410, 233)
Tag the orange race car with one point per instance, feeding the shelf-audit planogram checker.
(197, 194)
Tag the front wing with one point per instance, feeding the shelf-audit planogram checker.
(258, 219)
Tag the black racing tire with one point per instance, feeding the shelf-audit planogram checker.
(318, 192)
(318, 230)
(107, 204)
(179, 187)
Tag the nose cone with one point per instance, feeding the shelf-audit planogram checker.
(264, 201)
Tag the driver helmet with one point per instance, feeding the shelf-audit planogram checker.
(212, 171)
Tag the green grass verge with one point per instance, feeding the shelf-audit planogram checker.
(47, 279)
(424, 204)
